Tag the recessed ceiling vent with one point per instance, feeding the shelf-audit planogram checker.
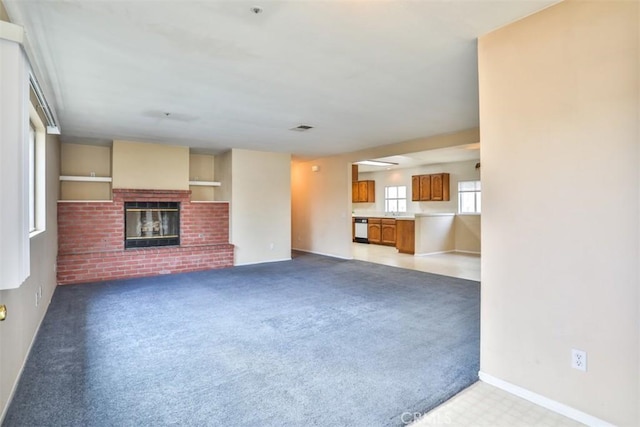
(301, 128)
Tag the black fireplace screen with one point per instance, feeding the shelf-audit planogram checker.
(151, 224)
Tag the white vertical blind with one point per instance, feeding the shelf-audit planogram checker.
(14, 169)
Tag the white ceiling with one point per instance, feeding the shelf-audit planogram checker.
(363, 73)
(458, 153)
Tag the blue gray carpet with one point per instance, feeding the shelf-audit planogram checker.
(315, 341)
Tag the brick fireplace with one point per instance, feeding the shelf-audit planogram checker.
(91, 238)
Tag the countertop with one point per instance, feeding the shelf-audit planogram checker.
(404, 216)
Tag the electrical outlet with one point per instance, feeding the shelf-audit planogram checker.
(579, 360)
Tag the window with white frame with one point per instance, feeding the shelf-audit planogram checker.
(36, 147)
(469, 197)
(395, 199)
(32, 177)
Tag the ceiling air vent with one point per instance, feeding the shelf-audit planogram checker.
(301, 128)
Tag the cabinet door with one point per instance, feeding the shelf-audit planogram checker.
(374, 233)
(440, 187)
(415, 188)
(389, 233)
(363, 190)
(426, 184)
(354, 192)
(405, 236)
(371, 191)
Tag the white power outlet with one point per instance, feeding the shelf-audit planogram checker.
(579, 360)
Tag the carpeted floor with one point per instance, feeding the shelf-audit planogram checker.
(315, 341)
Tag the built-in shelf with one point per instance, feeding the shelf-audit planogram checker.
(85, 178)
(205, 183)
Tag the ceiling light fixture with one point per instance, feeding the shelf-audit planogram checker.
(375, 163)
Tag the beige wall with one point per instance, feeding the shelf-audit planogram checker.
(222, 174)
(261, 206)
(84, 160)
(18, 330)
(467, 231)
(201, 168)
(560, 170)
(434, 233)
(141, 165)
(321, 201)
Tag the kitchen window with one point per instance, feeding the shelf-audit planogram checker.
(395, 199)
(469, 197)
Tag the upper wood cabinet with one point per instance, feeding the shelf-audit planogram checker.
(363, 191)
(432, 187)
(440, 187)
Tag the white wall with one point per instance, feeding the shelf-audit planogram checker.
(18, 331)
(321, 201)
(459, 171)
(260, 206)
(561, 193)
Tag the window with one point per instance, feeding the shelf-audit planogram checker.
(36, 152)
(32, 178)
(469, 200)
(395, 199)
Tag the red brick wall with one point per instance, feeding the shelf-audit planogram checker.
(91, 239)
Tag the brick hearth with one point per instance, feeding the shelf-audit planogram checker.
(91, 239)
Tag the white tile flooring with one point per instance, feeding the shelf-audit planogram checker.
(454, 264)
(481, 405)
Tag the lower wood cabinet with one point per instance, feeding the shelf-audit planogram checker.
(375, 230)
(405, 236)
(388, 232)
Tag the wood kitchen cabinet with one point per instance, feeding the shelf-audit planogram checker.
(363, 191)
(405, 236)
(374, 231)
(440, 187)
(388, 232)
(432, 187)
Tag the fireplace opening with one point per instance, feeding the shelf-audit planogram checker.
(149, 224)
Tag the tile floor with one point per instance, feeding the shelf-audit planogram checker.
(481, 405)
(454, 264)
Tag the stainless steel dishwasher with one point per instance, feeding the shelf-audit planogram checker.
(362, 230)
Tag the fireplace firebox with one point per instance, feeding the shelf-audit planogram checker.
(149, 224)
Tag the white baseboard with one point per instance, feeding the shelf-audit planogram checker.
(262, 262)
(320, 253)
(435, 253)
(543, 401)
(24, 362)
(467, 252)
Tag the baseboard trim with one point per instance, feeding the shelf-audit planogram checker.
(467, 252)
(24, 362)
(435, 253)
(543, 401)
(321, 253)
(262, 262)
